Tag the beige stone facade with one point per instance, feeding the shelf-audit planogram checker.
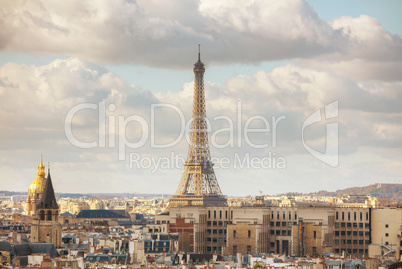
(386, 226)
(241, 238)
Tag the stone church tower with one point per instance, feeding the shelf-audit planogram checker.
(45, 226)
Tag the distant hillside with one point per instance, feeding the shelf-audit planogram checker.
(391, 191)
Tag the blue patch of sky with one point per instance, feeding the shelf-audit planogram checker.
(387, 12)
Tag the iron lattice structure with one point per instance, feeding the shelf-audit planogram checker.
(198, 184)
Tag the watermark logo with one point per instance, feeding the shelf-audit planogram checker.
(330, 156)
(256, 132)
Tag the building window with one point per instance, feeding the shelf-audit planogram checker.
(361, 225)
(386, 225)
(272, 232)
(248, 249)
(290, 215)
(349, 224)
(235, 249)
(343, 215)
(289, 232)
(354, 215)
(361, 216)
(284, 215)
(348, 215)
(278, 232)
(336, 215)
(234, 235)
(336, 224)
(220, 214)
(209, 214)
(214, 214)
(226, 214)
(366, 215)
(284, 223)
(272, 224)
(278, 223)
(272, 214)
(283, 232)
(295, 215)
(277, 215)
(249, 233)
(315, 235)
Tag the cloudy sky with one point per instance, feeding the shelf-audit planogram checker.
(104, 89)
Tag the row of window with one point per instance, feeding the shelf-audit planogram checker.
(349, 241)
(350, 224)
(163, 221)
(217, 223)
(354, 215)
(354, 233)
(220, 213)
(284, 213)
(216, 231)
(216, 239)
(235, 249)
(281, 232)
(354, 251)
(248, 234)
(282, 224)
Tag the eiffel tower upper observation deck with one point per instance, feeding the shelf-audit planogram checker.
(198, 184)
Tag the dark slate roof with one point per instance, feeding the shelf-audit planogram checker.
(48, 200)
(125, 223)
(22, 250)
(23, 260)
(66, 214)
(44, 248)
(5, 246)
(99, 214)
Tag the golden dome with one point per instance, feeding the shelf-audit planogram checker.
(38, 185)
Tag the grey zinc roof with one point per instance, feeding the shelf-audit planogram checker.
(5, 246)
(44, 248)
(99, 214)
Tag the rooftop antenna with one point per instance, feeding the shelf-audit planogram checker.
(199, 52)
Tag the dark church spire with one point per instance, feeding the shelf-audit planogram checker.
(48, 200)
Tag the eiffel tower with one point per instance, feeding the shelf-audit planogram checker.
(198, 184)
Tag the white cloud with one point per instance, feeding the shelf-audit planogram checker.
(165, 34)
(35, 101)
